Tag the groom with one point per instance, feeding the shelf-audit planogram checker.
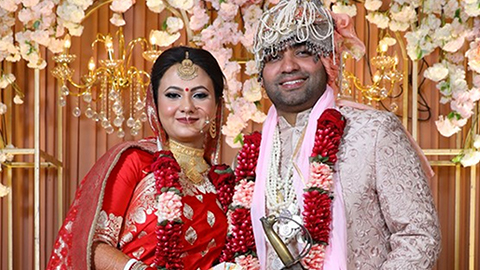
(382, 213)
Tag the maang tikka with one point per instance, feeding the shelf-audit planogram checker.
(186, 70)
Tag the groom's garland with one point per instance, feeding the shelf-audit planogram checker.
(318, 196)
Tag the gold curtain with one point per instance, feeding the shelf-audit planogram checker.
(84, 141)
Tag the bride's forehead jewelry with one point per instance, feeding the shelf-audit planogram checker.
(293, 22)
(187, 70)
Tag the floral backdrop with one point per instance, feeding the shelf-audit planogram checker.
(448, 27)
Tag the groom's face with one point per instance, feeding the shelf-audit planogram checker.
(294, 79)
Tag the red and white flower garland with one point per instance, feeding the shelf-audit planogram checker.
(318, 196)
(240, 245)
(169, 230)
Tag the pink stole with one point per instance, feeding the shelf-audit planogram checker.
(336, 253)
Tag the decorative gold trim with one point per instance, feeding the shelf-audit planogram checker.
(473, 212)
(190, 160)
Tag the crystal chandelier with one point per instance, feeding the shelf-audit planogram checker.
(384, 79)
(104, 88)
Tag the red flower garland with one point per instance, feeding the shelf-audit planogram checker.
(169, 232)
(240, 239)
(223, 179)
(318, 196)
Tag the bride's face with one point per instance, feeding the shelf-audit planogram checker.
(186, 106)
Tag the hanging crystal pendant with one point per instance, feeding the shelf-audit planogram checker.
(89, 113)
(87, 97)
(105, 123)
(77, 112)
(109, 129)
(102, 115)
(62, 101)
(118, 121)
(121, 133)
(65, 90)
(138, 125)
(143, 117)
(112, 95)
(116, 107)
(130, 122)
(139, 105)
(393, 107)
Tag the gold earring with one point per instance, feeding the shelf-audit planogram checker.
(213, 129)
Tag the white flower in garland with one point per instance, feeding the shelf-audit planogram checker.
(174, 24)
(380, 19)
(450, 8)
(420, 43)
(3, 110)
(373, 5)
(432, 7)
(406, 13)
(120, 6)
(4, 157)
(4, 190)
(164, 38)
(156, 6)
(181, 4)
(471, 7)
(387, 41)
(476, 141)
(350, 10)
(436, 73)
(70, 12)
(402, 17)
(446, 126)
(252, 90)
(6, 80)
(17, 100)
(70, 16)
(470, 158)
(117, 19)
(473, 55)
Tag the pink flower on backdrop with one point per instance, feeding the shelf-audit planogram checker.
(199, 18)
(228, 11)
(446, 127)
(30, 3)
(465, 109)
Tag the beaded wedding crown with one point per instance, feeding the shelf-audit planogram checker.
(291, 22)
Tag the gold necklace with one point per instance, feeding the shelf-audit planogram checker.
(190, 160)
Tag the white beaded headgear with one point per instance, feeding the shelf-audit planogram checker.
(291, 22)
